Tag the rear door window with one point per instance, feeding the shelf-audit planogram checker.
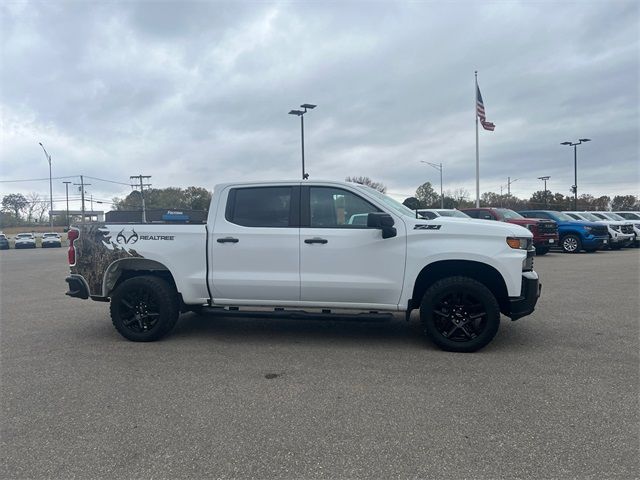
(260, 207)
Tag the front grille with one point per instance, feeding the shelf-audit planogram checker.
(600, 230)
(546, 228)
(627, 228)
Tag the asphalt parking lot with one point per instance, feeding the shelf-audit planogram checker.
(554, 396)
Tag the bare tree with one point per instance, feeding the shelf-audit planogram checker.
(381, 187)
(41, 209)
(33, 200)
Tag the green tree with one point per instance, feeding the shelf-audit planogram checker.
(427, 196)
(14, 203)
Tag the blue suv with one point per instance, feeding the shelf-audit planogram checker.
(575, 235)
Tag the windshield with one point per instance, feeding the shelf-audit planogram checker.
(589, 216)
(50, 235)
(506, 213)
(24, 235)
(390, 202)
(629, 215)
(452, 213)
(563, 217)
(613, 216)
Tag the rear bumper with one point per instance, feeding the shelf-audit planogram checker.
(78, 287)
(529, 293)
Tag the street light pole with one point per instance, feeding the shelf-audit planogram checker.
(437, 166)
(66, 187)
(50, 187)
(300, 113)
(544, 179)
(575, 167)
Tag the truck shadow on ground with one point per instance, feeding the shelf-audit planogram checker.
(275, 330)
(393, 332)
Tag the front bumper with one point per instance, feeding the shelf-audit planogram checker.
(78, 287)
(546, 241)
(595, 242)
(529, 293)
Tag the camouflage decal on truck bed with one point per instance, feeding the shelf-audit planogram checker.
(97, 248)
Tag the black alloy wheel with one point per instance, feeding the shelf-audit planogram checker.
(144, 309)
(460, 314)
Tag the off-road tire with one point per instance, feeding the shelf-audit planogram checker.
(144, 309)
(434, 318)
(571, 243)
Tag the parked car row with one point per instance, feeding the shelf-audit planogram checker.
(28, 240)
(571, 231)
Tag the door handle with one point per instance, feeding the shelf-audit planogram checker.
(228, 240)
(316, 240)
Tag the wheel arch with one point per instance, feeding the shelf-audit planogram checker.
(125, 268)
(481, 272)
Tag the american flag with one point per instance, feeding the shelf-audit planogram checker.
(481, 113)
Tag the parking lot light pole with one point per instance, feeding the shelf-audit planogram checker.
(437, 166)
(575, 167)
(50, 187)
(544, 179)
(300, 113)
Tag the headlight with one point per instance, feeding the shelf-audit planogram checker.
(587, 229)
(637, 225)
(616, 227)
(519, 243)
(531, 227)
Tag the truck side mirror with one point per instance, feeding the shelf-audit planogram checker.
(384, 222)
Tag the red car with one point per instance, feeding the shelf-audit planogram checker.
(545, 232)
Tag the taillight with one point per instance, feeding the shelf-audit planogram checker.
(72, 235)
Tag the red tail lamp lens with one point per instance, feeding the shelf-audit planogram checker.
(72, 235)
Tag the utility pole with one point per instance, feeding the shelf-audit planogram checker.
(142, 185)
(509, 182)
(66, 188)
(91, 200)
(544, 179)
(82, 185)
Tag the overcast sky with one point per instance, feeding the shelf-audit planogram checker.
(198, 93)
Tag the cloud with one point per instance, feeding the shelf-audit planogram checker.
(196, 93)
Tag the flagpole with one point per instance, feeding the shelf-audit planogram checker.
(475, 109)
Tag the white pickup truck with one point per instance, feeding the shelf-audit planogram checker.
(294, 245)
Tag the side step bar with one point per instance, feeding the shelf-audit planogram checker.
(296, 314)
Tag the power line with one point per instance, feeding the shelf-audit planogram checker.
(108, 181)
(36, 179)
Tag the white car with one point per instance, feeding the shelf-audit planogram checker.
(51, 239)
(25, 240)
(628, 217)
(620, 232)
(431, 213)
